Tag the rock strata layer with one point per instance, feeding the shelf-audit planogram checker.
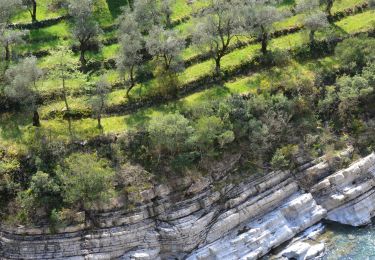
(213, 218)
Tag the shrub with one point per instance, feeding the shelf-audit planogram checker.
(169, 133)
(283, 159)
(86, 180)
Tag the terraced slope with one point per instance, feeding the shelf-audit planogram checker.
(242, 73)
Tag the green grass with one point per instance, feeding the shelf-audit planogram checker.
(17, 127)
(229, 61)
(44, 11)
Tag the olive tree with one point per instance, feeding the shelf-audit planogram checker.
(9, 37)
(218, 26)
(65, 68)
(99, 101)
(166, 11)
(313, 18)
(7, 9)
(31, 6)
(131, 44)
(166, 47)
(22, 86)
(86, 28)
(146, 14)
(259, 17)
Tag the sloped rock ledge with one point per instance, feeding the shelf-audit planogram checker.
(243, 221)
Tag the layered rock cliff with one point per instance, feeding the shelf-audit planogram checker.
(212, 217)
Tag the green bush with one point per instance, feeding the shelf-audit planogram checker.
(85, 180)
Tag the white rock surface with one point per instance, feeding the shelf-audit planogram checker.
(303, 251)
(349, 195)
(261, 235)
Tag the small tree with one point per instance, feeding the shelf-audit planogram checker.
(8, 36)
(313, 23)
(166, 11)
(313, 19)
(211, 131)
(43, 193)
(166, 46)
(22, 86)
(146, 14)
(86, 179)
(219, 24)
(86, 28)
(31, 6)
(131, 44)
(64, 69)
(328, 7)
(7, 9)
(169, 133)
(99, 100)
(259, 19)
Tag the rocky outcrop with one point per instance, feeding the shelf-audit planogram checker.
(213, 218)
(257, 237)
(349, 195)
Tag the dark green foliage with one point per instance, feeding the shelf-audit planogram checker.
(40, 198)
(355, 53)
(85, 180)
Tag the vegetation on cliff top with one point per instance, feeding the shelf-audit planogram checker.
(96, 95)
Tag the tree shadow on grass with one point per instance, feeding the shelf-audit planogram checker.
(138, 120)
(114, 6)
(11, 125)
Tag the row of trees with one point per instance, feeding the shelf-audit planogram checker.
(215, 29)
(145, 28)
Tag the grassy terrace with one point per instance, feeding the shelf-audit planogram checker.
(19, 125)
(17, 128)
(232, 60)
(193, 72)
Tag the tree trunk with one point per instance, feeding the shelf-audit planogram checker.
(36, 119)
(217, 66)
(312, 42)
(70, 129)
(131, 5)
(328, 10)
(100, 121)
(168, 21)
(7, 52)
(33, 13)
(65, 97)
(312, 38)
(82, 58)
(132, 82)
(264, 43)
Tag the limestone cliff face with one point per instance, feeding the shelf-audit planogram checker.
(211, 221)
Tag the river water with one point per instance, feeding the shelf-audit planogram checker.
(341, 242)
(347, 243)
